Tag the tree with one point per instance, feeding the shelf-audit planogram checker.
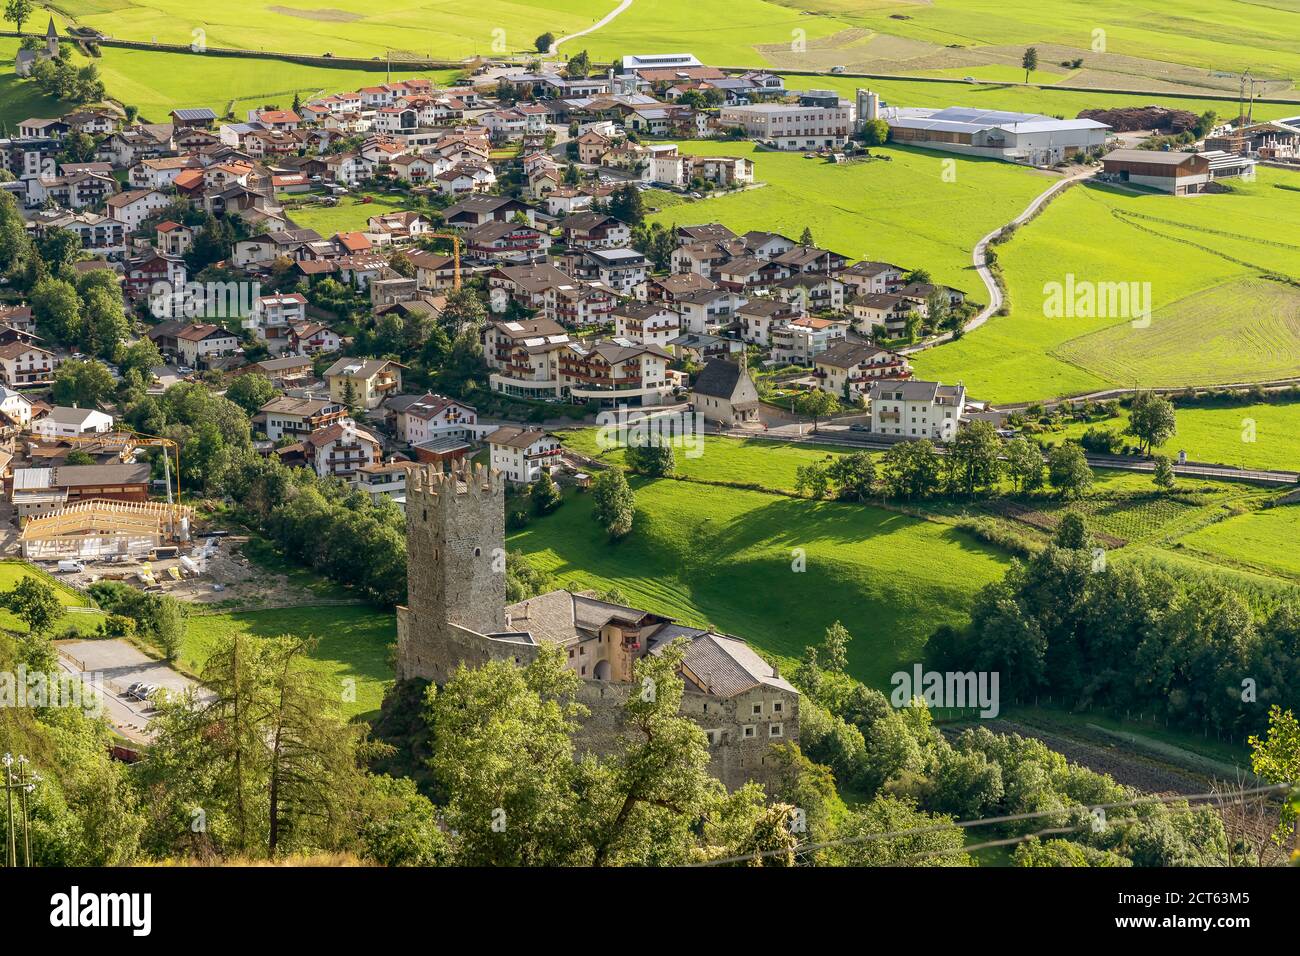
(625, 204)
(169, 626)
(1163, 476)
(579, 66)
(546, 496)
(250, 392)
(813, 480)
(911, 469)
(973, 456)
(1023, 464)
(924, 840)
(1072, 532)
(1068, 471)
(653, 459)
(806, 237)
(615, 505)
(854, 475)
(83, 383)
(1029, 61)
(835, 649)
(35, 603)
(815, 404)
(544, 42)
(18, 12)
(56, 307)
(1151, 420)
(875, 132)
(1276, 758)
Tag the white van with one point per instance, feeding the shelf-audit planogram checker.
(71, 567)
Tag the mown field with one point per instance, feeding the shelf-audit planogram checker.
(1263, 541)
(902, 210)
(756, 461)
(722, 557)
(359, 28)
(1179, 247)
(352, 649)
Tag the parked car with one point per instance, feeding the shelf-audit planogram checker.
(859, 427)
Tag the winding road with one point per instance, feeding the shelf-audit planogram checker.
(979, 258)
(593, 28)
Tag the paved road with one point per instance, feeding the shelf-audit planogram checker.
(594, 27)
(979, 258)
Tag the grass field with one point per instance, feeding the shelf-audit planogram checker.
(770, 464)
(1263, 435)
(439, 29)
(157, 82)
(902, 211)
(1245, 330)
(1180, 247)
(11, 572)
(723, 557)
(349, 215)
(1263, 541)
(354, 642)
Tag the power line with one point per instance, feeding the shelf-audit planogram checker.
(1007, 818)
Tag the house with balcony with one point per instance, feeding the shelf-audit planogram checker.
(595, 230)
(523, 454)
(647, 323)
(23, 365)
(385, 480)
(336, 451)
(272, 317)
(849, 369)
(288, 417)
(916, 409)
(616, 372)
(524, 357)
(801, 340)
(620, 269)
(505, 242)
(885, 311)
(363, 383)
(420, 418)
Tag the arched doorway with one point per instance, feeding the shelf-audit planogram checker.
(602, 670)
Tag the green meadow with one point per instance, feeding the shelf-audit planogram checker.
(1263, 541)
(908, 209)
(1263, 435)
(348, 216)
(85, 622)
(438, 29)
(1179, 246)
(352, 649)
(156, 82)
(726, 558)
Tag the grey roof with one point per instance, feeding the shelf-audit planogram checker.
(914, 391)
(202, 113)
(848, 354)
(727, 666)
(719, 379)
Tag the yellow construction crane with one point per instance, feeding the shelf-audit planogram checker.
(133, 439)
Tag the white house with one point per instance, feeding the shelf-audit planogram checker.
(63, 421)
(23, 364)
(423, 417)
(917, 409)
(196, 343)
(15, 406)
(522, 454)
(134, 206)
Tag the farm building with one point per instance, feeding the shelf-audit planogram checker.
(99, 529)
(36, 491)
(1179, 173)
(997, 134)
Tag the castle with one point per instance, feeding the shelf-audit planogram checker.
(456, 613)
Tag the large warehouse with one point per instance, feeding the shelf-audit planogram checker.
(1017, 137)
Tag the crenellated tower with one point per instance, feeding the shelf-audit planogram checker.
(455, 578)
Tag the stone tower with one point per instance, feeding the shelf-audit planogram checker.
(455, 578)
(51, 40)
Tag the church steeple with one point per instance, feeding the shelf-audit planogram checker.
(51, 39)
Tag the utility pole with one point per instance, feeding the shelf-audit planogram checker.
(25, 783)
(12, 858)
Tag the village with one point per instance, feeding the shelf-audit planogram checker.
(417, 301)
